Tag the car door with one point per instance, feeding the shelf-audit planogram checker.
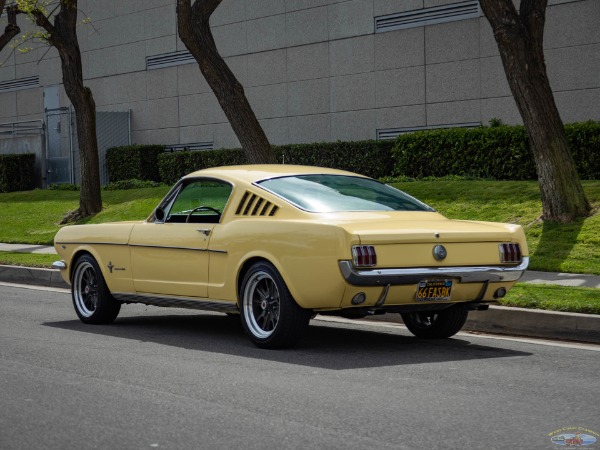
(170, 256)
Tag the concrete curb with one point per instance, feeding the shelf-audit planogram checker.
(536, 323)
(527, 322)
(32, 275)
(497, 320)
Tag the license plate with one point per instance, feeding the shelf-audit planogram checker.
(429, 290)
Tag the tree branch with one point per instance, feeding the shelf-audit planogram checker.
(12, 29)
(193, 23)
(205, 8)
(42, 21)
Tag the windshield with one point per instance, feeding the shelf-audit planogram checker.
(329, 193)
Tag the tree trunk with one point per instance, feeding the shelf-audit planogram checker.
(194, 31)
(63, 36)
(520, 41)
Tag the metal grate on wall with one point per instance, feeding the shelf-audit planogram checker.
(113, 129)
(427, 16)
(169, 60)
(20, 83)
(24, 128)
(393, 133)
(190, 146)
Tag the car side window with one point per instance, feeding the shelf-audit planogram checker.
(200, 201)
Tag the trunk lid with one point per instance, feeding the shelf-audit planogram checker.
(407, 239)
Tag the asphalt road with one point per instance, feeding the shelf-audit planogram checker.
(176, 379)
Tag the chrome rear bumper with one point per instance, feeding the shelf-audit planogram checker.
(412, 275)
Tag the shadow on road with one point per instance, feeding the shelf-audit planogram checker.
(326, 345)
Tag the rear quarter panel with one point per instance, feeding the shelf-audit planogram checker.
(305, 253)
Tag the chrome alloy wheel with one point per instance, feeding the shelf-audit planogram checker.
(85, 289)
(261, 304)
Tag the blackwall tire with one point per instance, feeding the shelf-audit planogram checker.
(435, 324)
(270, 316)
(92, 300)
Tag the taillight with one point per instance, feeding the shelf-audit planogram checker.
(364, 256)
(510, 253)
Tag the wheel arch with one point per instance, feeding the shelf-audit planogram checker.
(305, 284)
(78, 254)
(244, 267)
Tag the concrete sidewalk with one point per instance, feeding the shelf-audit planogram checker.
(497, 320)
(27, 248)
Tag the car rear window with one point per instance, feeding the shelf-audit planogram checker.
(330, 193)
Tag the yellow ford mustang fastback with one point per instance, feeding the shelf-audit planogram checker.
(278, 244)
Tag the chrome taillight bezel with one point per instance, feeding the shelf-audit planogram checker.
(364, 256)
(510, 253)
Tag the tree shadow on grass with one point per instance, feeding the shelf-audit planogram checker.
(556, 244)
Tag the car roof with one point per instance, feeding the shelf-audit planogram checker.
(252, 173)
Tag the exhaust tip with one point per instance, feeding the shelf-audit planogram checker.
(359, 298)
(501, 292)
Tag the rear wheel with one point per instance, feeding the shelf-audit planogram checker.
(435, 324)
(92, 300)
(270, 316)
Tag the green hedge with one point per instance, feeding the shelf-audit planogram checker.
(17, 172)
(501, 153)
(584, 140)
(174, 165)
(134, 161)
(370, 158)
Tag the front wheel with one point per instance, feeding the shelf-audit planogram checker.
(270, 316)
(92, 300)
(435, 324)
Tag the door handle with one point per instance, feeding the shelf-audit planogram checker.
(204, 231)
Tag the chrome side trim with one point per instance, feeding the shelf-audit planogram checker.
(177, 302)
(60, 265)
(142, 245)
(178, 248)
(412, 275)
(89, 243)
(170, 247)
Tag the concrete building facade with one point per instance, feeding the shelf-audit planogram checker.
(313, 70)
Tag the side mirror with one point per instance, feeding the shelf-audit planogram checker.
(159, 215)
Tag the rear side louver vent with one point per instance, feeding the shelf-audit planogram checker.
(427, 16)
(254, 205)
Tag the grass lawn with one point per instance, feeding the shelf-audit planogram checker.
(33, 217)
(554, 298)
(27, 259)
